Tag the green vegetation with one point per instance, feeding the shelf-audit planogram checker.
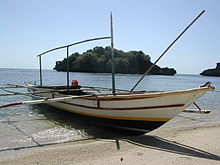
(98, 60)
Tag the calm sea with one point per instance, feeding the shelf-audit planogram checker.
(30, 126)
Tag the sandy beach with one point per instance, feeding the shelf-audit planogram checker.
(181, 145)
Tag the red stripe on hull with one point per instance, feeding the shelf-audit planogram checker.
(131, 108)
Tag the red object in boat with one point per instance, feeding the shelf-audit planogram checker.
(75, 83)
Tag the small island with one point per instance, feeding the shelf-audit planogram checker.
(212, 72)
(98, 60)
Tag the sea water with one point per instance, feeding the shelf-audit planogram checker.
(33, 125)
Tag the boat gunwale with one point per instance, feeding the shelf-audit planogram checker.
(135, 96)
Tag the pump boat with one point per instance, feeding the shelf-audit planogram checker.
(136, 110)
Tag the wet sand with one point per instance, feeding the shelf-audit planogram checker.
(181, 145)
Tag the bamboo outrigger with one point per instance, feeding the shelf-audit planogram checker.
(136, 110)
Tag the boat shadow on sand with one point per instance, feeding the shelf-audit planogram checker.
(161, 144)
(91, 131)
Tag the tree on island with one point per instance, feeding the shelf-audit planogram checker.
(98, 60)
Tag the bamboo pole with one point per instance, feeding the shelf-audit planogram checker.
(50, 100)
(83, 88)
(197, 111)
(12, 93)
(12, 86)
(76, 43)
(67, 68)
(40, 63)
(105, 88)
(41, 101)
(149, 69)
(113, 56)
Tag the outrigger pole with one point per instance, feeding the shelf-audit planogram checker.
(49, 100)
(40, 70)
(151, 67)
(12, 93)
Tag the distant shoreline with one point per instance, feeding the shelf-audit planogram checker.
(88, 72)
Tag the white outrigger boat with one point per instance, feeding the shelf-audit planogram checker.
(135, 110)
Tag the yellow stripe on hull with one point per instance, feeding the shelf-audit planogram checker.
(112, 117)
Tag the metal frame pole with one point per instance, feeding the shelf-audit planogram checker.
(113, 57)
(67, 67)
(40, 71)
(67, 54)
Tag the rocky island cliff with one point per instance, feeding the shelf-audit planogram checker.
(212, 72)
(98, 60)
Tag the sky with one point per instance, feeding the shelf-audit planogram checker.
(30, 27)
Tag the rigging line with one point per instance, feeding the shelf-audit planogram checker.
(149, 69)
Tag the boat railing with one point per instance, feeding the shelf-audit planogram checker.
(67, 55)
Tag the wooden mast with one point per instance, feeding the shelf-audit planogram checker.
(67, 68)
(113, 56)
(40, 70)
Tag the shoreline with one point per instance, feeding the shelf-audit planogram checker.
(196, 144)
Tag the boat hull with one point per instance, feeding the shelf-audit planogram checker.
(137, 111)
(130, 125)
